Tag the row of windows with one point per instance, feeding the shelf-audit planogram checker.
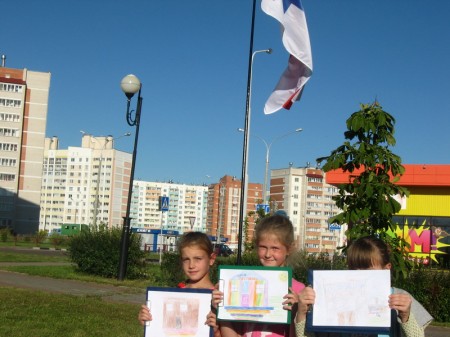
(8, 147)
(11, 87)
(12, 103)
(8, 132)
(7, 177)
(9, 117)
(8, 162)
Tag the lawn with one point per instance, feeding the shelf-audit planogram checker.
(28, 313)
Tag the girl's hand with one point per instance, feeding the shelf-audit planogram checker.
(306, 298)
(144, 315)
(291, 299)
(211, 319)
(217, 297)
(401, 303)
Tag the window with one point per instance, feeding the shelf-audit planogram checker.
(8, 147)
(8, 162)
(9, 117)
(11, 103)
(8, 132)
(7, 177)
(11, 87)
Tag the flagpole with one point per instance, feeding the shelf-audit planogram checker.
(243, 198)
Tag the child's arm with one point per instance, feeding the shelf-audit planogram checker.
(211, 320)
(402, 303)
(144, 315)
(227, 330)
(306, 298)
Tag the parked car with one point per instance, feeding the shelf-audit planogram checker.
(223, 250)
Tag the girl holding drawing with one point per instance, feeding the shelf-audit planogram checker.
(197, 257)
(274, 241)
(364, 254)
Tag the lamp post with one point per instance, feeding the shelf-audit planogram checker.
(130, 85)
(244, 180)
(268, 146)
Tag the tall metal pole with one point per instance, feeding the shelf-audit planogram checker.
(245, 149)
(125, 239)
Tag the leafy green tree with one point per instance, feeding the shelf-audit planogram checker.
(39, 237)
(367, 200)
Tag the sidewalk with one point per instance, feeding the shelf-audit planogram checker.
(71, 287)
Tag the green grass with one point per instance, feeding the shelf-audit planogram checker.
(12, 256)
(28, 313)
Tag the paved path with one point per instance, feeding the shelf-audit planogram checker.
(106, 292)
(78, 288)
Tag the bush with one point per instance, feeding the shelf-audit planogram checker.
(57, 239)
(171, 270)
(432, 289)
(39, 237)
(4, 233)
(97, 252)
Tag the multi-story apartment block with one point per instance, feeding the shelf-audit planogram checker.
(84, 185)
(224, 207)
(23, 115)
(306, 197)
(186, 207)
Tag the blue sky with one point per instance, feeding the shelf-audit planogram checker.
(192, 59)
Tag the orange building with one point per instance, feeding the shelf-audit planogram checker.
(424, 219)
(224, 207)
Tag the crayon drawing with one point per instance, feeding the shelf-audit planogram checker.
(351, 298)
(178, 312)
(254, 295)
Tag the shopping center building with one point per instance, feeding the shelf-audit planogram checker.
(424, 218)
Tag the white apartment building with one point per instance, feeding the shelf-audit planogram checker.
(187, 208)
(23, 117)
(84, 185)
(303, 193)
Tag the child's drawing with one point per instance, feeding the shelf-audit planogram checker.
(178, 312)
(351, 298)
(180, 316)
(254, 295)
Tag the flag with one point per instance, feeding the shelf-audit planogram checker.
(295, 39)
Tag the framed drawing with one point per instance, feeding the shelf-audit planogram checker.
(350, 301)
(178, 312)
(254, 294)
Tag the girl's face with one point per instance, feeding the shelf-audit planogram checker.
(271, 252)
(196, 263)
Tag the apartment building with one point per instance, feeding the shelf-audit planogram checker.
(23, 116)
(303, 193)
(84, 185)
(186, 206)
(224, 207)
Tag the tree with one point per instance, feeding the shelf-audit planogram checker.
(367, 200)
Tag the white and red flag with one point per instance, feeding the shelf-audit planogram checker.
(295, 39)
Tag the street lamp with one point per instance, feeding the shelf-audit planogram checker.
(244, 180)
(130, 85)
(268, 146)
